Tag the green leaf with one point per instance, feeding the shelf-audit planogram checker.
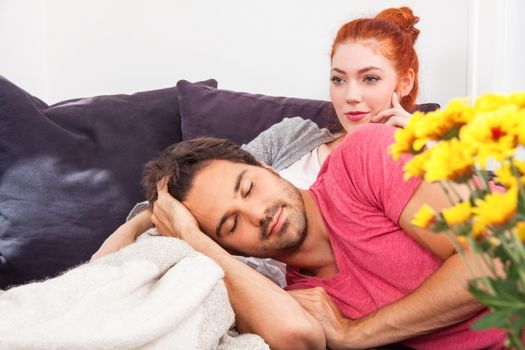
(506, 287)
(521, 212)
(440, 226)
(498, 319)
(477, 194)
(464, 229)
(521, 208)
(452, 133)
(505, 298)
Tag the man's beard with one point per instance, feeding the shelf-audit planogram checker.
(293, 231)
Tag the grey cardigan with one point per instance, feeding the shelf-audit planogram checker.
(288, 141)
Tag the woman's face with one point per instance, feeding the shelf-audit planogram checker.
(362, 82)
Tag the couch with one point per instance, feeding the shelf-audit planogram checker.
(70, 172)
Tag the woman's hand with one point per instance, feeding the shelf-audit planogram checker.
(395, 116)
(122, 237)
(319, 304)
(170, 217)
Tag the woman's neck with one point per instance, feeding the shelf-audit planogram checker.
(326, 148)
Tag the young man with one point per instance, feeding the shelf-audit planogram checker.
(360, 274)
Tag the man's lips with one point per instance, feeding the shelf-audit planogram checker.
(356, 116)
(276, 223)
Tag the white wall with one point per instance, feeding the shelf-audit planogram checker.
(23, 45)
(497, 63)
(59, 49)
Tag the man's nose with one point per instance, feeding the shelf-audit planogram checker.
(256, 213)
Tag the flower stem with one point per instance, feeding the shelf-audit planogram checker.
(445, 190)
(482, 174)
(476, 253)
(458, 196)
(515, 339)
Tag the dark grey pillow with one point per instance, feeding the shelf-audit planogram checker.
(70, 172)
(240, 116)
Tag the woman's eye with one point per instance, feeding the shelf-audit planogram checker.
(371, 78)
(336, 80)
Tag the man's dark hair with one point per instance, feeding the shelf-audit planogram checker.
(181, 161)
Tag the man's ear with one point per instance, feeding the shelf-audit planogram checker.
(406, 82)
(266, 166)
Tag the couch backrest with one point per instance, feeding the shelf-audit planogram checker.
(70, 172)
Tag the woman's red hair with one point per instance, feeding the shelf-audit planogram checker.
(394, 29)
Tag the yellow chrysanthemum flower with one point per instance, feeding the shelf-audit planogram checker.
(444, 124)
(520, 231)
(490, 102)
(450, 160)
(424, 217)
(518, 99)
(406, 141)
(521, 126)
(458, 214)
(493, 134)
(521, 169)
(416, 166)
(479, 228)
(497, 208)
(505, 176)
(462, 240)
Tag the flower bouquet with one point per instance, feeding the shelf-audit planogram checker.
(458, 146)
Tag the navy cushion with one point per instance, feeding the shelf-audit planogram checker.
(70, 173)
(241, 116)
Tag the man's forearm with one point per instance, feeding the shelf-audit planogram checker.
(260, 306)
(442, 300)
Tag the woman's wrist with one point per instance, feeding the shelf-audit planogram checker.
(139, 224)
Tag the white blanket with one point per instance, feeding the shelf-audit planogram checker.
(156, 294)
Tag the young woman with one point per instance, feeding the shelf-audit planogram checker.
(373, 78)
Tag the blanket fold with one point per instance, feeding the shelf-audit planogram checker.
(155, 294)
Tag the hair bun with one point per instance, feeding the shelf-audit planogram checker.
(404, 18)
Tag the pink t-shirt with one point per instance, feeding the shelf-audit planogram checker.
(361, 193)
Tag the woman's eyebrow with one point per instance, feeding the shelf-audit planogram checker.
(361, 71)
(338, 70)
(369, 68)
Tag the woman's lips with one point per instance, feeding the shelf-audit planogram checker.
(277, 223)
(356, 116)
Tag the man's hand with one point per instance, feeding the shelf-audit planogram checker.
(319, 304)
(395, 116)
(170, 217)
(256, 301)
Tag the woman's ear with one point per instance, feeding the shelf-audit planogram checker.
(406, 82)
(266, 166)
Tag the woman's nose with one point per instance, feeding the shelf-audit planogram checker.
(353, 94)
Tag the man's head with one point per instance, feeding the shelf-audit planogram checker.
(245, 207)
